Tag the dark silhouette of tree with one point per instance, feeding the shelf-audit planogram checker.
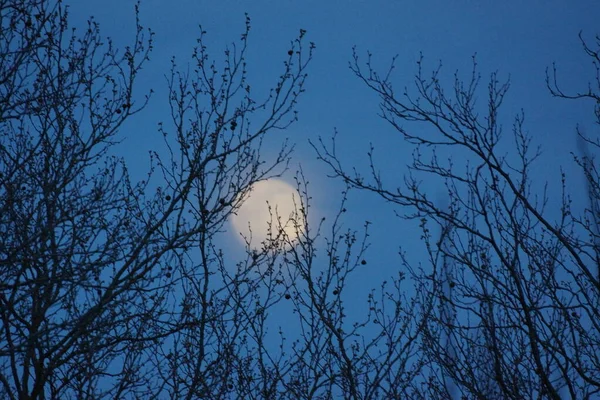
(218, 124)
(523, 310)
(109, 288)
(116, 289)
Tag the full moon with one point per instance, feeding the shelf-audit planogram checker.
(272, 205)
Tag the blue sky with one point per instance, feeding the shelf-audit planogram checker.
(516, 40)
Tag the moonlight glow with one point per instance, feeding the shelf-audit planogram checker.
(271, 203)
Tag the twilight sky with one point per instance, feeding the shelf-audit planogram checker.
(516, 40)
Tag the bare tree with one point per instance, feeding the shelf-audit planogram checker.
(586, 144)
(524, 284)
(339, 355)
(218, 124)
(107, 287)
(116, 289)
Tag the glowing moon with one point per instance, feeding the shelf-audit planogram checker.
(272, 203)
